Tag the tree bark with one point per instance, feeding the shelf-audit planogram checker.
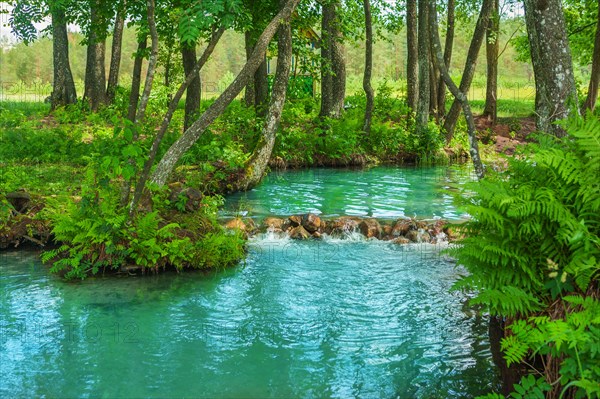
(438, 60)
(434, 83)
(492, 51)
(333, 63)
(257, 92)
(136, 79)
(249, 97)
(422, 117)
(592, 95)
(412, 59)
(189, 137)
(63, 87)
(555, 90)
(193, 92)
(143, 178)
(448, 47)
(470, 64)
(141, 112)
(368, 68)
(115, 57)
(257, 164)
(95, 73)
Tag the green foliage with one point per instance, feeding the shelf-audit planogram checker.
(98, 232)
(533, 251)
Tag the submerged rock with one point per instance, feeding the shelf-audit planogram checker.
(341, 226)
(311, 222)
(401, 227)
(236, 224)
(370, 228)
(420, 236)
(295, 220)
(272, 223)
(299, 233)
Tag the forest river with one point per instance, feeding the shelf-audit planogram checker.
(344, 317)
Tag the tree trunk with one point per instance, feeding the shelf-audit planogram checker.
(261, 89)
(412, 59)
(152, 60)
(190, 136)
(136, 79)
(492, 51)
(448, 47)
(166, 121)
(115, 55)
(249, 92)
(438, 60)
(63, 88)
(422, 117)
(193, 92)
(95, 73)
(470, 64)
(555, 90)
(326, 67)
(434, 83)
(257, 92)
(592, 95)
(368, 68)
(333, 64)
(257, 164)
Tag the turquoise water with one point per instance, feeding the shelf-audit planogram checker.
(381, 192)
(335, 318)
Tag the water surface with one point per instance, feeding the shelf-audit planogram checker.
(332, 318)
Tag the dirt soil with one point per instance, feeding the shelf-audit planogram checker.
(508, 133)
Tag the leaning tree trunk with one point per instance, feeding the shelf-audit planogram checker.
(492, 48)
(368, 68)
(448, 47)
(470, 64)
(63, 87)
(115, 55)
(166, 121)
(422, 117)
(592, 95)
(257, 164)
(438, 60)
(193, 92)
(136, 79)
(167, 163)
(412, 58)
(95, 73)
(555, 90)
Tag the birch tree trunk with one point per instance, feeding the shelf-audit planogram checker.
(190, 136)
(470, 65)
(555, 90)
(257, 164)
(438, 60)
(448, 47)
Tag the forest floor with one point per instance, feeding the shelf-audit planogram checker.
(508, 133)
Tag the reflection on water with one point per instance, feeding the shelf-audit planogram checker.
(381, 192)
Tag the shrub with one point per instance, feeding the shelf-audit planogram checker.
(533, 251)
